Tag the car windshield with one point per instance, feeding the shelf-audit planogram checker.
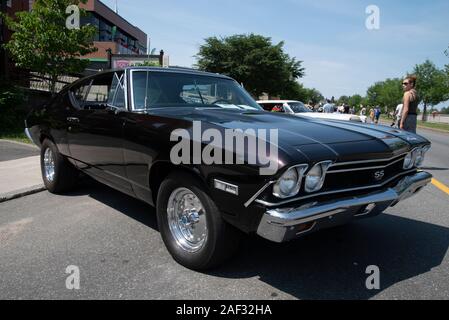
(152, 89)
(299, 107)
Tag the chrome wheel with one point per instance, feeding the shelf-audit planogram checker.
(187, 220)
(49, 165)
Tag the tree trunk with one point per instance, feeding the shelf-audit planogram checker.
(424, 114)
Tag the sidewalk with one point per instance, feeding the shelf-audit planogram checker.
(20, 172)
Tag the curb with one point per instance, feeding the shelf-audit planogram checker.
(21, 193)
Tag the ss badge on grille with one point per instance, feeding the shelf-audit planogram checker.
(379, 175)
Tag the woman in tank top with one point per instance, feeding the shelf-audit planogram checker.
(411, 101)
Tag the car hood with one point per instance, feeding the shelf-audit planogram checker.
(295, 130)
(308, 136)
(333, 116)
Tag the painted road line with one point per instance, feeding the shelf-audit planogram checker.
(440, 186)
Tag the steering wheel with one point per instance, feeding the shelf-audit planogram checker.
(223, 100)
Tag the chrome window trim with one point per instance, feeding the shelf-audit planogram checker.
(270, 204)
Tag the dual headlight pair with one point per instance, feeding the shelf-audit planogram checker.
(289, 184)
(415, 158)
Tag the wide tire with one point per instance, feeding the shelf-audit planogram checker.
(221, 239)
(58, 174)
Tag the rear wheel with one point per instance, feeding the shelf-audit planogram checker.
(57, 173)
(191, 225)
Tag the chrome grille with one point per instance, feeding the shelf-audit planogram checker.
(362, 173)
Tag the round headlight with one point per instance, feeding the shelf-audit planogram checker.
(408, 161)
(420, 156)
(315, 177)
(290, 182)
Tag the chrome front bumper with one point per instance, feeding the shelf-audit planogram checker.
(280, 225)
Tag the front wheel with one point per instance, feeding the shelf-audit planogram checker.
(191, 225)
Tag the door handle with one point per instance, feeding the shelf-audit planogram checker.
(73, 120)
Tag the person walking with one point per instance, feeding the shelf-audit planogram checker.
(409, 119)
(397, 116)
(328, 107)
(377, 113)
(371, 115)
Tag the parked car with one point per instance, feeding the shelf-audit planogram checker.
(298, 108)
(117, 127)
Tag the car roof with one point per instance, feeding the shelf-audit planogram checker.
(278, 101)
(155, 69)
(177, 70)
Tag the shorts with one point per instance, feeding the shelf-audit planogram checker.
(411, 123)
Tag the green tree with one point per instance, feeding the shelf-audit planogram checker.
(386, 93)
(343, 100)
(313, 95)
(355, 101)
(432, 85)
(42, 43)
(252, 60)
(296, 91)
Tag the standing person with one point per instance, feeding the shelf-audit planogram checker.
(371, 115)
(328, 107)
(362, 110)
(409, 119)
(377, 113)
(398, 115)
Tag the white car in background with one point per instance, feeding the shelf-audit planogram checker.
(298, 108)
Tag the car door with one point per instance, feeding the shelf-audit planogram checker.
(95, 129)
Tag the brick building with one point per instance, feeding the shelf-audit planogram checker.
(113, 32)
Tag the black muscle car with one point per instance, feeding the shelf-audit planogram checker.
(124, 129)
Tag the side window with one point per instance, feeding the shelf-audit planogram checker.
(140, 89)
(78, 94)
(116, 95)
(147, 91)
(98, 95)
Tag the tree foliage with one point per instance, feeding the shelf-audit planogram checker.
(41, 42)
(252, 60)
(432, 85)
(296, 91)
(386, 93)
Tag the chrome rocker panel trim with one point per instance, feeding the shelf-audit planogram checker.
(280, 225)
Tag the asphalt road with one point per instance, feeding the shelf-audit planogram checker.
(13, 151)
(114, 241)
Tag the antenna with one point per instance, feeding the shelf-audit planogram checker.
(116, 6)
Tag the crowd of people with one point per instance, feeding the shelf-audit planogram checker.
(404, 117)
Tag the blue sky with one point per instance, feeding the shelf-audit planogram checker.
(340, 54)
